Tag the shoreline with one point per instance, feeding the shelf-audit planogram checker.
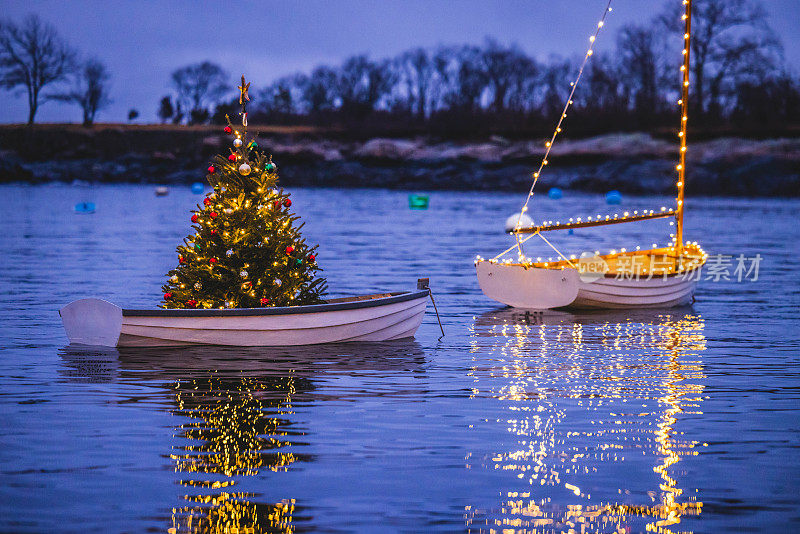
(632, 163)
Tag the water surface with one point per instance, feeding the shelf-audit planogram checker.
(680, 420)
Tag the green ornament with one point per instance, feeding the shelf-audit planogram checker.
(252, 145)
(299, 261)
(196, 246)
(270, 167)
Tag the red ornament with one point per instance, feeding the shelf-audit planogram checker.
(206, 201)
(191, 303)
(232, 157)
(195, 218)
(228, 129)
(181, 259)
(287, 202)
(213, 232)
(311, 258)
(212, 260)
(289, 250)
(213, 214)
(212, 169)
(277, 204)
(167, 296)
(264, 302)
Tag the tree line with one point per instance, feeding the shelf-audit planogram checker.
(739, 78)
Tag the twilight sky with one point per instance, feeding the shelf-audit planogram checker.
(143, 41)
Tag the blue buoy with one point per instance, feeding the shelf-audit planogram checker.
(84, 207)
(613, 197)
(571, 231)
(198, 188)
(555, 193)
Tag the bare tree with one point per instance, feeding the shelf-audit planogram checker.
(470, 80)
(730, 37)
(508, 71)
(32, 55)
(418, 71)
(639, 50)
(284, 96)
(361, 84)
(604, 91)
(199, 86)
(165, 109)
(556, 86)
(90, 90)
(319, 91)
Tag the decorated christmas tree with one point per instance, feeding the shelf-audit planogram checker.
(247, 250)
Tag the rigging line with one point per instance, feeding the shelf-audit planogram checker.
(549, 144)
(515, 245)
(557, 251)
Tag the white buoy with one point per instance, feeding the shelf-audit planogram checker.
(524, 222)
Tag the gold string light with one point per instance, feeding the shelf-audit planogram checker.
(549, 144)
(684, 103)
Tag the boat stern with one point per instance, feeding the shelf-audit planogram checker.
(92, 322)
(522, 286)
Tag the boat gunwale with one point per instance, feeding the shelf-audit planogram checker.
(561, 265)
(282, 310)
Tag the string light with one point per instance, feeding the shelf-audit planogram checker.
(696, 254)
(549, 144)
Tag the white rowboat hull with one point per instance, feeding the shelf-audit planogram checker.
(540, 289)
(377, 318)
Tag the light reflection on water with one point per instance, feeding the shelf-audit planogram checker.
(584, 394)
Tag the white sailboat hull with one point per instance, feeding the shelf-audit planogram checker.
(382, 318)
(540, 288)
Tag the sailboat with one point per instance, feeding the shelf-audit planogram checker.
(658, 277)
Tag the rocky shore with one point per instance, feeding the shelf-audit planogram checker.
(631, 163)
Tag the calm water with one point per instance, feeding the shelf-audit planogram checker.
(675, 420)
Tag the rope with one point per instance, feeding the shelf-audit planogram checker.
(512, 247)
(549, 145)
(515, 245)
(557, 251)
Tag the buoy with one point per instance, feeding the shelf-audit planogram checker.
(555, 193)
(418, 202)
(571, 231)
(524, 222)
(162, 191)
(198, 188)
(84, 207)
(613, 197)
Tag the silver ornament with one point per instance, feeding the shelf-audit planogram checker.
(227, 211)
(278, 281)
(198, 286)
(237, 142)
(243, 274)
(174, 278)
(228, 304)
(244, 169)
(229, 253)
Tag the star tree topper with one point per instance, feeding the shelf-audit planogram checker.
(243, 99)
(243, 96)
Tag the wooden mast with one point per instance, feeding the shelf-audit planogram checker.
(684, 102)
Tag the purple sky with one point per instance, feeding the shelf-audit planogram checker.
(143, 41)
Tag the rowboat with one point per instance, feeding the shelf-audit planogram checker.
(653, 278)
(379, 317)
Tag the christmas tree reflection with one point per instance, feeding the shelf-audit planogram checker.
(595, 403)
(238, 429)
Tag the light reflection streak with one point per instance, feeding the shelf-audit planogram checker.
(591, 399)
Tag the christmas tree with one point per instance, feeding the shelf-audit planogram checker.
(247, 250)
